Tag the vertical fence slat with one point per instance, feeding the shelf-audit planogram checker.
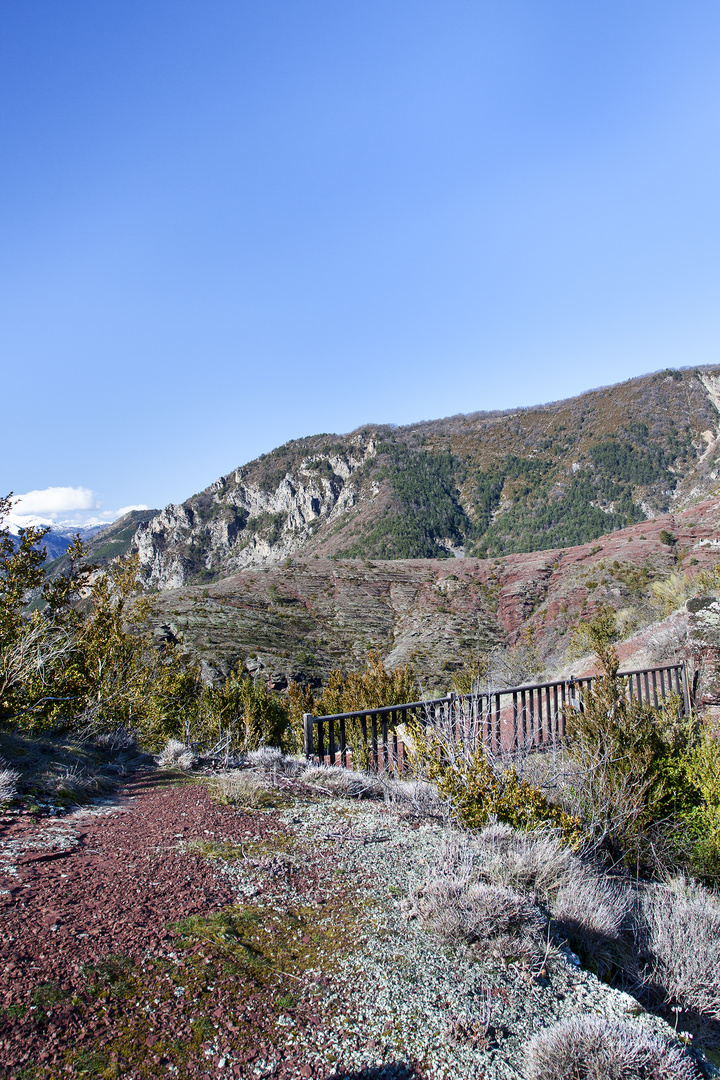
(331, 740)
(343, 743)
(515, 721)
(374, 744)
(308, 719)
(384, 729)
(523, 713)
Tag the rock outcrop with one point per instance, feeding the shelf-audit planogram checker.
(237, 522)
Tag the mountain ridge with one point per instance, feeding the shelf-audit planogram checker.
(482, 484)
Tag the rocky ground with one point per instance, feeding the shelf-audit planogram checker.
(161, 933)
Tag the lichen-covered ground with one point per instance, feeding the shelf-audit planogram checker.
(164, 934)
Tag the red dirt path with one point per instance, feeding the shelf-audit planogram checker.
(112, 891)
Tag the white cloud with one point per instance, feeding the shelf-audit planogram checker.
(64, 507)
(105, 517)
(126, 510)
(53, 501)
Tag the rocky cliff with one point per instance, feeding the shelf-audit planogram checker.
(484, 485)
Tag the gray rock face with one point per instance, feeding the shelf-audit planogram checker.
(237, 523)
(704, 646)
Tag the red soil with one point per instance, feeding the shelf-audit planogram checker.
(113, 893)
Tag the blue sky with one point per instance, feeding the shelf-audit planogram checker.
(225, 224)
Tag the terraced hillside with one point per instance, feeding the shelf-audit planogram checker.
(484, 485)
(304, 617)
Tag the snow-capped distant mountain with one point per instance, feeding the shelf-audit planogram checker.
(60, 537)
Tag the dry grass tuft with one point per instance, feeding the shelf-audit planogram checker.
(118, 740)
(344, 783)
(535, 862)
(595, 1048)
(590, 910)
(416, 797)
(60, 769)
(272, 760)
(9, 789)
(176, 755)
(244, 788)
(679, 946)
(501, 924)
(74, 784)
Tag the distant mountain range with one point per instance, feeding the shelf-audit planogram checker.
(104, 542)
(59, 538)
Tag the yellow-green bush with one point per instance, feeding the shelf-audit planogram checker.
(480, 792)
(371, 688)
(244, 712)
(699, 837)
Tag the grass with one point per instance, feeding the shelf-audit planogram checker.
(65, 769)
(176, 755)
(595, 1048)
(678, 939)
(343, 783)
(500, 924)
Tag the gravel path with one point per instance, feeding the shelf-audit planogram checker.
(165, 934)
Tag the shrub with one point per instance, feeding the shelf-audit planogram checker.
(678, 941)
(500, 923)
(596, 1048)
(628, 759)
(242, 714)
(479, 790)
(701, 823)
(176, 755)
(369, 689)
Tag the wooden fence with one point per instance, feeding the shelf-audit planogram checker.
(505, 721)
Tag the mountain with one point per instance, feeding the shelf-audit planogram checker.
(103, 542)
(484, 485)
(58, 539)
(304, 617)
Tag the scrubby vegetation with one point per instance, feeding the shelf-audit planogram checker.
(82, 663)
(352, 692)
(595, 1048)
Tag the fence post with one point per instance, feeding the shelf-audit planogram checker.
(686, 690)
(308, 731)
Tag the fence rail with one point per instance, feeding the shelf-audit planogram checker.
(505, 721)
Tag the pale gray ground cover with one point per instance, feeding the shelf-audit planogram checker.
(398, 994)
